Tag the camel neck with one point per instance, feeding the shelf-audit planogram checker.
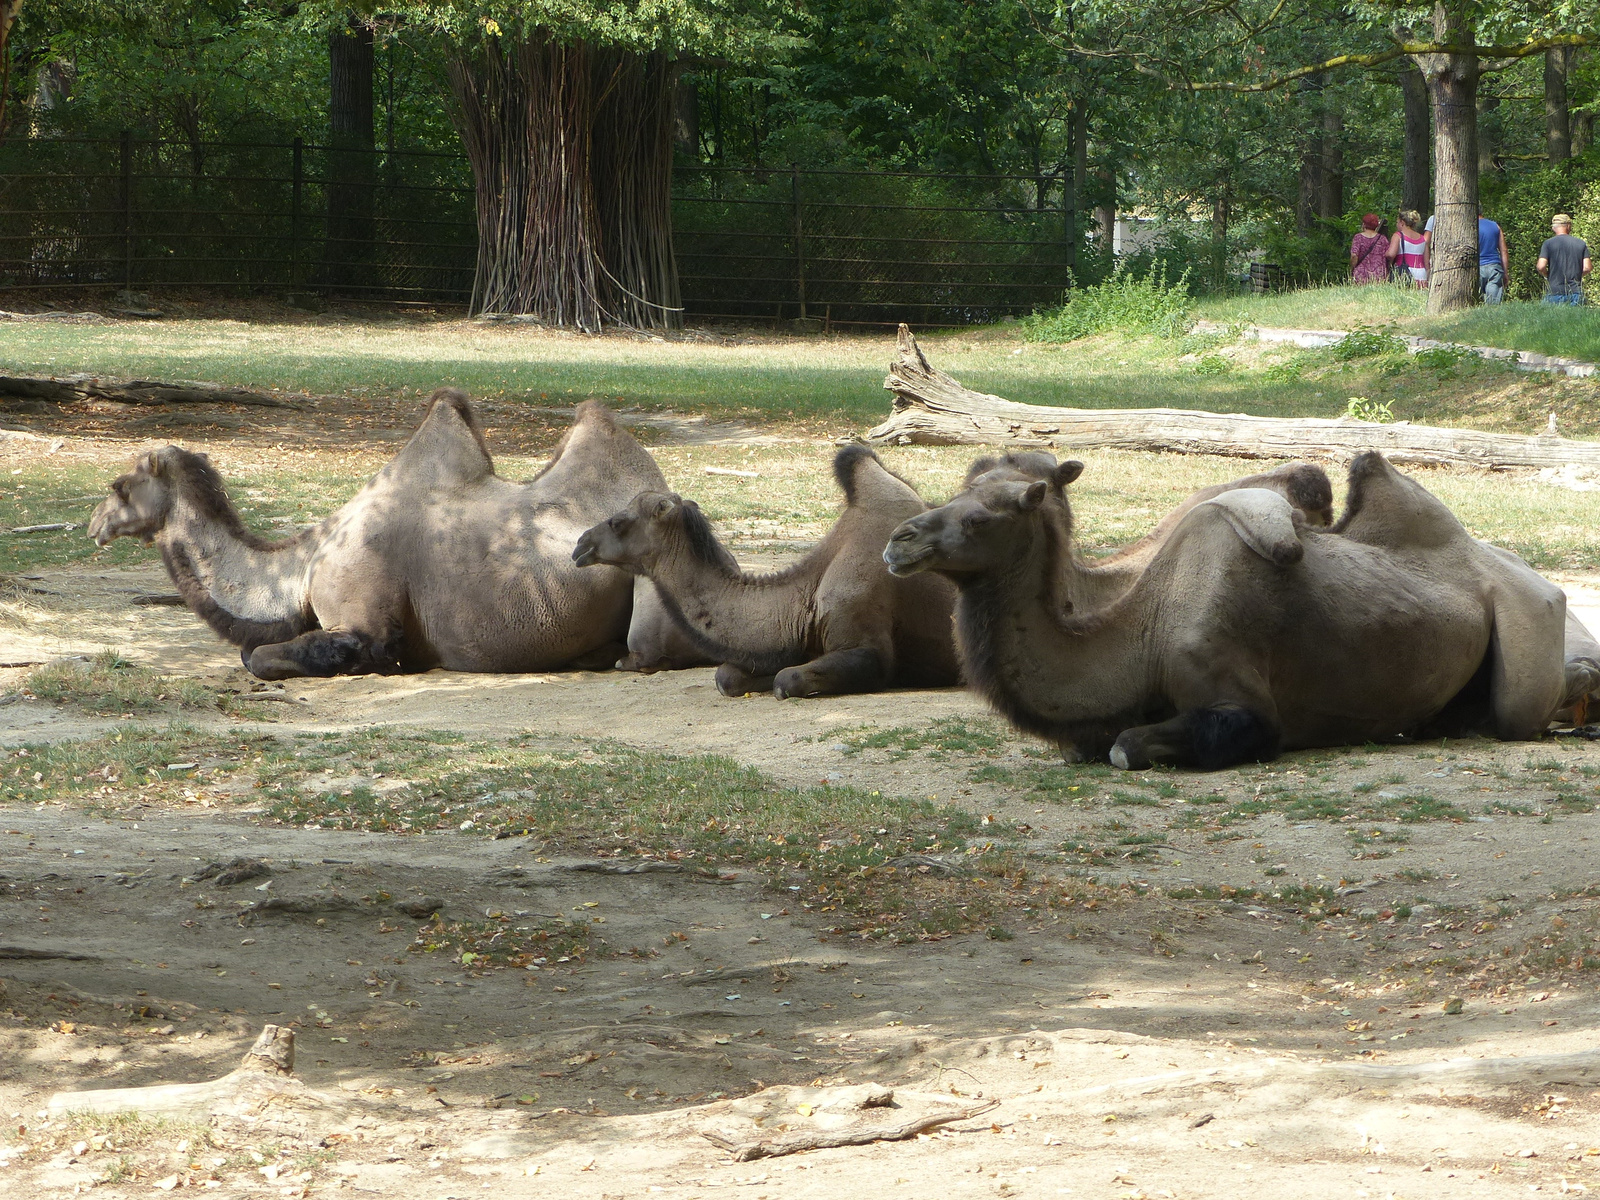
(756, 622)
(1056, 676)
(249, 590)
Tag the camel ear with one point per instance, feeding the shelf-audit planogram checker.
(149, 463)
(664, 508)
(1066, 472)
(1032, 496)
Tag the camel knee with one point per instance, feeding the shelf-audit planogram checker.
(320, 654)
(732, 681)
(1213, 737)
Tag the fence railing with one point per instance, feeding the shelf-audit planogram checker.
(756, 243)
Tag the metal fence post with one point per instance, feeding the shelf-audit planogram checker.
(127, 210)
(296, 184)
(799, 241)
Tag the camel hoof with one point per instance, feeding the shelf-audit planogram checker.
(1119, 758)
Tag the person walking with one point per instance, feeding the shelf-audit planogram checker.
(1494, 260)
(1369, 257)
(1408, 248)
(1564, 262)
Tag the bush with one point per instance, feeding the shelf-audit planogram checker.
(1524, 207)
(1125, 302)
(1366, 342)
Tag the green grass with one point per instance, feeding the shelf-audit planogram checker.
(1514, 325)
(836, 381)
(940, 737)
(704, 811)
(109, 683)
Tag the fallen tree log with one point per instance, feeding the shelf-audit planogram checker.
(931, 408)
(138, 391)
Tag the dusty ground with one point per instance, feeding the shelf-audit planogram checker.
(1189, 1035)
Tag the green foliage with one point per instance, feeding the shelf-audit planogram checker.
(1524, 207)
(1124, 302)
(1365, 341)
(109, 683)
(1360, 408)
(1212, 364)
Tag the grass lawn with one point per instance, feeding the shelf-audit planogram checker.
(1514, 325)
(829, 384)
(792, 501)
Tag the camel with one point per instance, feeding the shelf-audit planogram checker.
(832, 623)
(1249, 631)
(436, 562)
(1096, 582)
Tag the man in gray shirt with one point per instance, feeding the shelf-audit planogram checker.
(1564, 262)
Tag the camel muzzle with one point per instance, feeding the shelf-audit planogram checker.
(584, 553)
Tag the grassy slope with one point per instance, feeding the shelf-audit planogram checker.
(1545, 329)
(833, 381)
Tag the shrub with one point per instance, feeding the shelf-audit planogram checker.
(1212, 364)
(1366, 342)
(1125, 302)
(1362, 409)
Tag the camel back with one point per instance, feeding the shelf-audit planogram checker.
(447, 450)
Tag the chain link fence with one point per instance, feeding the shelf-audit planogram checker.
(840, 247)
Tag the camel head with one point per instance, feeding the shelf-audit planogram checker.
(981, 529)
(139, 503)
(633, 538)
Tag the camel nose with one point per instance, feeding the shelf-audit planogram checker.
(584, 553)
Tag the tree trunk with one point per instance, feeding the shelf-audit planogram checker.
(1308, 202)
(1557, 123)
(1582, 132)
(1453, 87)
(1415, 187)
(347, 250)
(1075, 178)
(526, 113)
(931, 408)
(1219, 235)
(632, 177)
(686, 117)
(1490, 136)
(1330, 206)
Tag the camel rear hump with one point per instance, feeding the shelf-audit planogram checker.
(865, 481)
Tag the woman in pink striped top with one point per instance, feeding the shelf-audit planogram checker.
(1408, 249)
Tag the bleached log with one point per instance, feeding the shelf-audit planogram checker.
(931, 408)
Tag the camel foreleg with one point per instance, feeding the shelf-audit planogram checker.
(732, 681)
(859, 669)
(322, 653)
(1213, 737)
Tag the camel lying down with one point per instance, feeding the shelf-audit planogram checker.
(436, 562)
(832, 623)
(1248, 631)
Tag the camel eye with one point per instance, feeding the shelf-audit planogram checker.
(974, 520)
(619, 524)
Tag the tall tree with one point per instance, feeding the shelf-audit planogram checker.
(352, 162)
(566, 115)
(1416, 181)
(1557, 119)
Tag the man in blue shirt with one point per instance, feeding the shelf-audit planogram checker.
(1494, 261)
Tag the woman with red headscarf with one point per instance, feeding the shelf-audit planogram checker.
(1369, 252)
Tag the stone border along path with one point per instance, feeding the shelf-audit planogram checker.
(1310, 339)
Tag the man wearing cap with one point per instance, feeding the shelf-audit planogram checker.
(1564, 262)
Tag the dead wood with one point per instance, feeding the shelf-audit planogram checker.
(931, 408)
(256, 1095)
(138, 391)
(641, 867)
(853, 1135)
(43, 952)
(50, 528)
(158, 600)
(295, 906)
